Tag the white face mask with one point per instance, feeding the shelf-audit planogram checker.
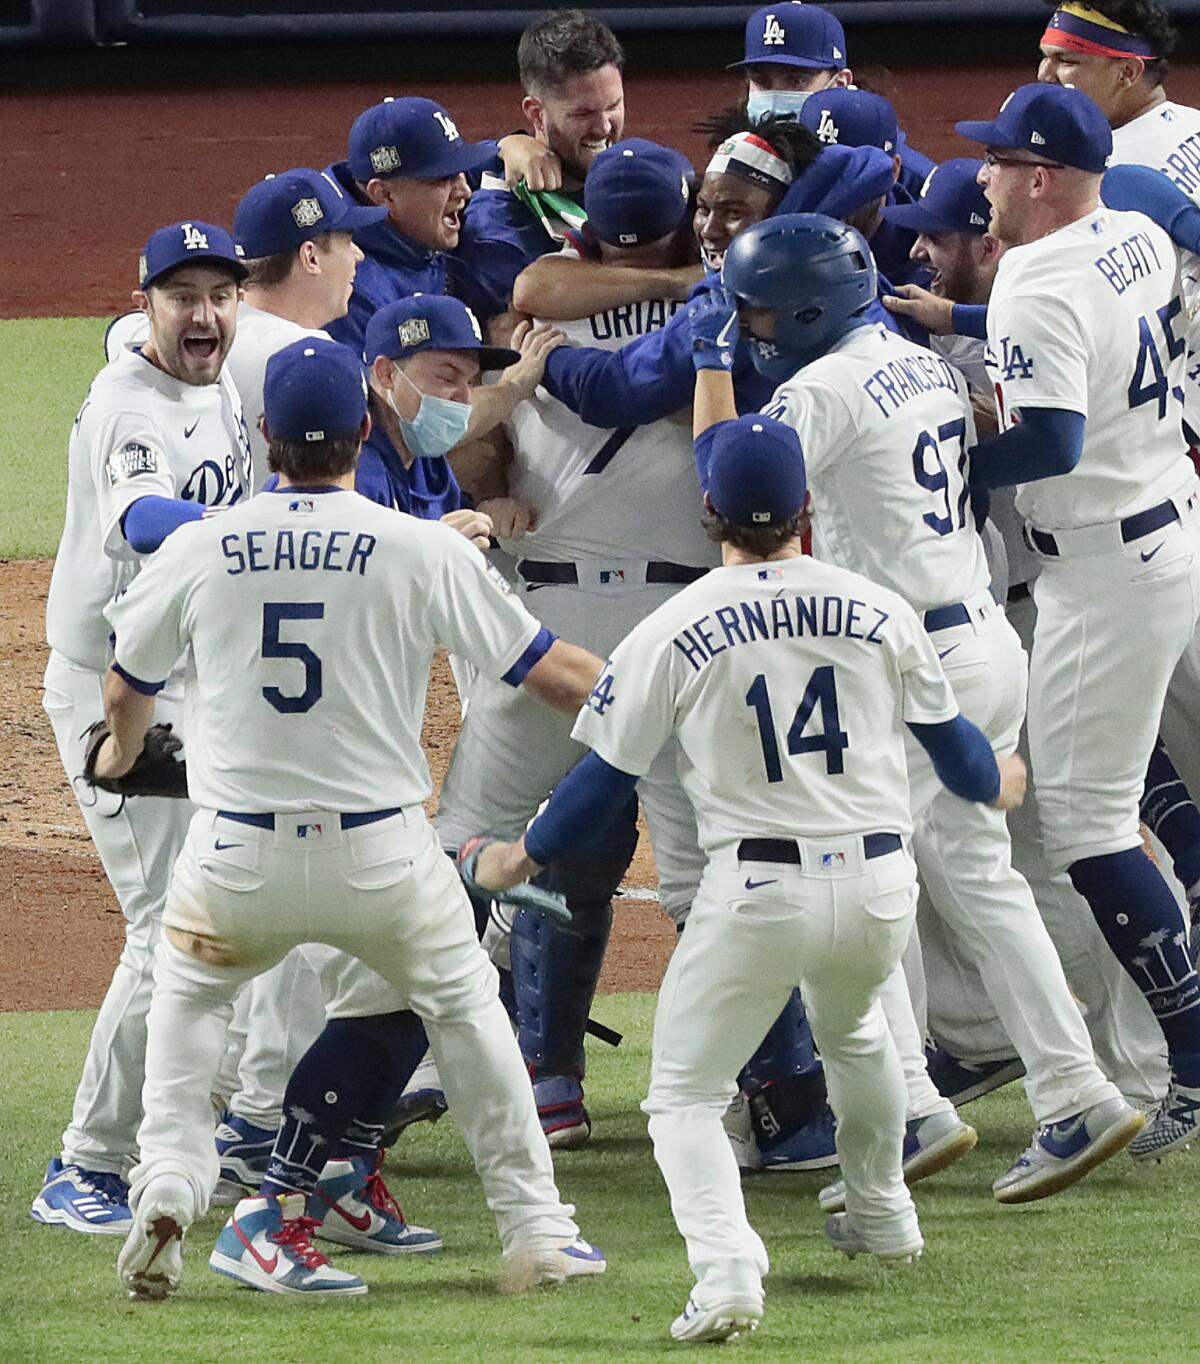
(785, 103)
(437, 428)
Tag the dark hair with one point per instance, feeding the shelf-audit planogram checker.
(309, 461)
(799, 146)
(1148, 19)
(760, 541)
(265, 271)
(565, 43)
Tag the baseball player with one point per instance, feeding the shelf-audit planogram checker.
(888, 427)
(803, 818)
(975, 1055)
(290, 645)
(159, 439)
(1085, 377)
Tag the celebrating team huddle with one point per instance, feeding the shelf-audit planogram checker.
(834, 508)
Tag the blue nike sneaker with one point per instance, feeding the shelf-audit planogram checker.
(1063, 1152)
(810, 1147)
(92, 1201)
(352, 1206)
(930, 1145)
(244, 1151)
(266, 1245)
(961, 1081)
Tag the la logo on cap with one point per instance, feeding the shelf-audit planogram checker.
(449, 127)
(773, 32)
(413, 332)
(385, 159)
(193, 238)
(827, 129)
(306, 212)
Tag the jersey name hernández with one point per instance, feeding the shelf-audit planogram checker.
(312, 618)
(787, 684)
(626, 494)
(1090, 319)
(885, 426)
(139, 433)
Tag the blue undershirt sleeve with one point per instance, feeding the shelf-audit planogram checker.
(148, 521)
(1045, 443)
(702, 446)
(962, 758)
(585, 802)
(1141, 189)
(970, 319)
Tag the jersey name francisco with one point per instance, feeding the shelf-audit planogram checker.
(778, 617)
(891, 386)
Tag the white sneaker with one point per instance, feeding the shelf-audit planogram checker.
(930, 1144)
(726, 1321)
(844, 1236)
(1063, 1152)
(150, 1265)
(740, 1131)
(525, 1268)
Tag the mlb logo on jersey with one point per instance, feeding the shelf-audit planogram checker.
(307, 212)
(305, 505)
(193, 238)
(384, 160)
(413, 332)
(830, 861)
(309, 830)
(827, 129)
(773, 32)
(766, 575)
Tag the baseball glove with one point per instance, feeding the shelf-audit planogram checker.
(157, 771)
(524, 896)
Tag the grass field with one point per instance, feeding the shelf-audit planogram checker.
(1103, 1272)
(46, 366)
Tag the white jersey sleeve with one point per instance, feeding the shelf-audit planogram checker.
(147, 619)
(928, 698)
(820, 417)
(129, 461)
(631, 711)
(1043, 359)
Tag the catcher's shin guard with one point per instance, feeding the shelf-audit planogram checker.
(783, 1078)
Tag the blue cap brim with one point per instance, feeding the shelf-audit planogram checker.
(235, 267)
(356, 216)
(985, 131)
(496, 357)
(455, 161)
(811, 63)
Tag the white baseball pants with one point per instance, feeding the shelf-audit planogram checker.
(384, 892)
(137, 842)
(838, 934)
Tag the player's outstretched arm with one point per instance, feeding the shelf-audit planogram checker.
(525, 158)
(927, 310)
(492, 404)
(963, 759)
(565, 288)
(128, 713)
(564, 676)
(1141, 189)
(712, 322)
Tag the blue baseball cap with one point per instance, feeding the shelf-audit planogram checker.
(1055, 122)
(283, 210)
(852, 118)
(636, 192)
(756, 474)
(315, 389)
(414, 138)
(794, 34)
(187, 244)
(951, 200)
(430, 322)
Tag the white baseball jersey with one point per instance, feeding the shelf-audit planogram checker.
(627, 494)
(258, 336)
(139, 433)
(286, 716)
(885, 426)
(1090, 319)
(787, 684)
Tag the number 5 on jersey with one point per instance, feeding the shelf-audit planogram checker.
(832, 740)
(274, 614)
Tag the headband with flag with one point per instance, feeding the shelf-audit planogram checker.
(754, 159)
(1079, 28)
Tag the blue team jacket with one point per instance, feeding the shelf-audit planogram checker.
(427, 489)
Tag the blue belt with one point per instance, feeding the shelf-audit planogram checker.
(943, 617)
(1132, 528)
(567, 575)
(785, 850)
(348, 821)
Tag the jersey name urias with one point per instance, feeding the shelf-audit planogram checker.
(787, 684)
(312, 617)
(885, 426)
(139, 433)
(1090, 319)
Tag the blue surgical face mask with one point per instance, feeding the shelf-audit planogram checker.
(437, 428)
(785, 103)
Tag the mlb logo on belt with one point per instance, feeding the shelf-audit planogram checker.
(612, 575)
(308, 831)
(831, 860)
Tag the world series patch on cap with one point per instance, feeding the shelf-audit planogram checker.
(430, 322)
(284, 210)
(411, 137)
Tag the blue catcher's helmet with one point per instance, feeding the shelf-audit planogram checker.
(815, 274)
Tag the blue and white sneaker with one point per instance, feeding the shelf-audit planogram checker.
(810, 1147)
(962, 1081)
(244, 1152)
(352, 1206)
(1063, 1152)
(92, 1201)
(930, 1144)
(266, 1245)
(726, 1321)
(844, 1236)
(564, 1118)
(1175, 1125)
(526, 1268)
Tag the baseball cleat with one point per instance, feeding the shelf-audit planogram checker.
(352, 1206)
(811, 1147)
(726, 1321)
(564, 1118)
(421, 1101)
(525, 1268)
(243, 1151)
(739, 1128)
(91, 1201)
(962, 1081)
(844, 1236)
(1061, 1153)
(265, 1244)
(150, 1264)
(931, 1144)
(1173, 1127)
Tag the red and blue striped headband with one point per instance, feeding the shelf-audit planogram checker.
(1079, 28)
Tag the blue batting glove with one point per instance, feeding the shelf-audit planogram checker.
(713, 323)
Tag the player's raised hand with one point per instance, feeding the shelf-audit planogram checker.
(1013, 779)
(713, 322)
(535, 341)
(525, 158)
(510, 517)
(927, 310)
(474, 524)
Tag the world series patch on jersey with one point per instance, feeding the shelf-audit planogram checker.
(140, 433)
